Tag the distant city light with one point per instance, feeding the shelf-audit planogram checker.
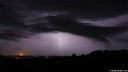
(46, 56)
(17, 57)
(35, 56)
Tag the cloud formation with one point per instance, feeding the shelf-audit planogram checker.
(13, 34)
(66, 24)
(14, 12)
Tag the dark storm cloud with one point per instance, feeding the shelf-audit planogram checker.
(88, 8)
(10, 17)
(66, 24)
(122, 40)
(124, 23)
(13, 34)
(7, 16)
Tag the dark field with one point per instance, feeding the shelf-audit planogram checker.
(95, 61)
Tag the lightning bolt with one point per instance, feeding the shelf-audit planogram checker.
(61, 47)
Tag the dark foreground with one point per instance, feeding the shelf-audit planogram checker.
(104, 61)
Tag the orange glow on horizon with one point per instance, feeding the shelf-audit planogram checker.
(21, 54)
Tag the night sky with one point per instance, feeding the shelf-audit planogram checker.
(62, 27)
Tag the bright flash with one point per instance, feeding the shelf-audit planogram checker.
(61, 47)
